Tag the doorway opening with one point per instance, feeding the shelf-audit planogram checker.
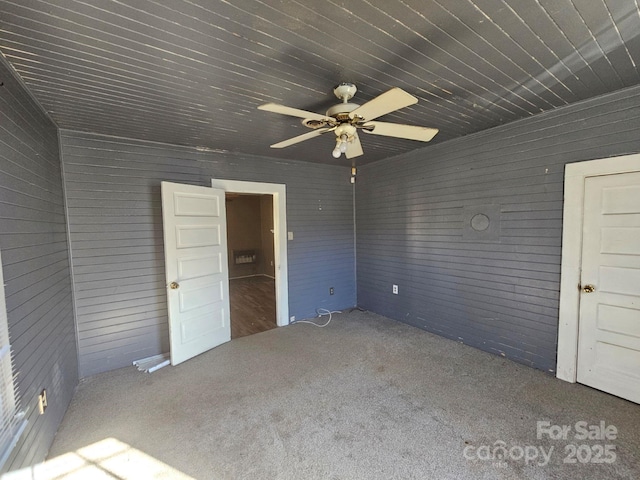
(251, 262)
(277, 192)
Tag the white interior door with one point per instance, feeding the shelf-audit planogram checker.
(195, 250)
(609, 328)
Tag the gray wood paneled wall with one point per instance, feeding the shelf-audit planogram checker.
(498, 290)
(115, 222)
(35, 262)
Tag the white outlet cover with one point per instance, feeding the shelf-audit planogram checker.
(395, 289)
(290, 235)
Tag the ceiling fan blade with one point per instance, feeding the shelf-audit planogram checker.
(411, 132)
(303, 137)
(294, 112)
(389, 101)
(354, 148)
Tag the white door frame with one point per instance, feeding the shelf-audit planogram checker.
(279, 239)
(574, 180)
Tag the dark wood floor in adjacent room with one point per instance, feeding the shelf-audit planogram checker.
(253, 305)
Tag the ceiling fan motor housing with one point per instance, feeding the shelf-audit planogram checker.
(341, 111)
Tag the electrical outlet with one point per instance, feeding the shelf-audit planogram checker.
(292, 318)
(330, 290)
(42, 401)
(395, 289)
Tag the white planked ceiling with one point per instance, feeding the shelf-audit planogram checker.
(192, 72)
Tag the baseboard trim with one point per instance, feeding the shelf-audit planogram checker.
(251, 276)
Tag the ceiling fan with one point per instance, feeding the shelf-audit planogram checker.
(344, 119)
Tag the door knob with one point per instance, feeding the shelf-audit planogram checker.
(589, 288)
(174, 285)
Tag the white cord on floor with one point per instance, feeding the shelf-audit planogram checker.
(322, 312)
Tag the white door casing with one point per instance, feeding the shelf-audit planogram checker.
(576, 176)
(609, 331)
(197, 272)
(280, 235)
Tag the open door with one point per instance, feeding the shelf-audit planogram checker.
(195, 250)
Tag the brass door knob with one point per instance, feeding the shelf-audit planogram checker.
(174, 285)
(589, 288)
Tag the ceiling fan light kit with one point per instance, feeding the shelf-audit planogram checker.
(345, 134)
(344, 119)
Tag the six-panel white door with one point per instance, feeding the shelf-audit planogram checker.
(197, 273)
(609, 328)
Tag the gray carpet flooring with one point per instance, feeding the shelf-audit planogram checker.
(364, 398)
